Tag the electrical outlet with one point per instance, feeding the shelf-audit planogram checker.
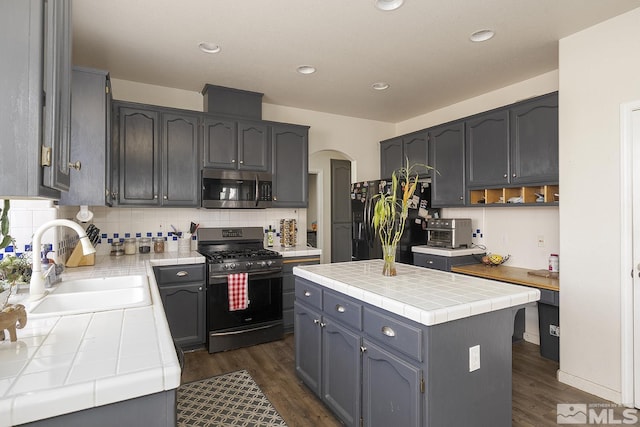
(474, 358)
(541, 241)
(554, 330)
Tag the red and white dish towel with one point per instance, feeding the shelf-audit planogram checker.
(238, 291)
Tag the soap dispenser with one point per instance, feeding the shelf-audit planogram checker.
(270, 237)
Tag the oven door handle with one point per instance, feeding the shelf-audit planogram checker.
(257, 273)
(243, 331)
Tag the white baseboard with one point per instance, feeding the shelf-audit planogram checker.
(532, 338)
(589, 387)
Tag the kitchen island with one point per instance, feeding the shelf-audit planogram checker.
(423, 348)
(102, 368)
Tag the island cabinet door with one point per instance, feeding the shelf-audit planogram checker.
(308, 340)
(391, 390)
(341, 371)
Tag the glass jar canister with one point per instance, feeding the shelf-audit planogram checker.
(130, 246)
(144, 247)
(158, 245)
(117, 248)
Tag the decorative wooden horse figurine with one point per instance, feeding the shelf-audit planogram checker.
(12, 317)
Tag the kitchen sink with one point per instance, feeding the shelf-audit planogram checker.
(101, 284)
(92, 295)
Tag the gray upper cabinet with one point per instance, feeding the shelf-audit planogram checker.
(90, 138)
(180, 159)
(35, 97)
(253, 146)
(487, 149)
(395, 152)
(390, 157)
(446, 145)
(534, 140)
(290, 163)
(233, 144)
(138, 149)
(220, 143)
(158, 156)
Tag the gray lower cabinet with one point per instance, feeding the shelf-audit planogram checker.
(404, 373)
(290, 165)
(363, 381)
(183, 293)
(90, 139)
(35, 97)
(288, 287)
(444, 263)
(157, 154)
(446, 152)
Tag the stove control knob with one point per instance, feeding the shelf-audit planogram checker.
(269, 263)
(231, 266)
(248, 265)
(262, 263)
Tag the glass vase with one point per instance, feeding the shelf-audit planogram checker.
(389, 257)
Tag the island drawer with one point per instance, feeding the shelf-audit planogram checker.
(394, 333)
(309, 293)
(183, 273)
(342, 309)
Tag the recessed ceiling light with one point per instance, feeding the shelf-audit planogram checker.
(306, 69)
(208, 47)
(388, 5)
(380, 85)
(482, 35)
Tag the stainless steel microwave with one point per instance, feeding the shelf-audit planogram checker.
(224, 189)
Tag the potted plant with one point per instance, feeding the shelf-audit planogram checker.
(13, 269)
(391, 210)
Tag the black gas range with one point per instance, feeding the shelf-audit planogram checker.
(230, 251)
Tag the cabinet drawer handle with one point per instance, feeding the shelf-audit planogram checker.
(430, 261)
(307, 293)
(182, 273)
(388, 331)
(340, 309)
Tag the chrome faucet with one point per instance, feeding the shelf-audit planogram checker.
(36, 286)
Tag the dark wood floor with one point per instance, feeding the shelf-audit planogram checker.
(535, 388)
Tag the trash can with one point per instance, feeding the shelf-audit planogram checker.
(549, 323)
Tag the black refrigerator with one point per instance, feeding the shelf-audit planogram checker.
(365, 244)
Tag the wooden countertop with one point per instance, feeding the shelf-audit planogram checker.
(516, 275)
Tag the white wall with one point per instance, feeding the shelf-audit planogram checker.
(598, 71)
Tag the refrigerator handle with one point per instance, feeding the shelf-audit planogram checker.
(368, 228)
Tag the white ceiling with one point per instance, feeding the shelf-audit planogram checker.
(422, 49)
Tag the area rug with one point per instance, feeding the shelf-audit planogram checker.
(232, 399)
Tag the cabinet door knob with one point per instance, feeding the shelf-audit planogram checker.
(165, 197)
(461, 197)
(340, 309)
(514, 175)
(307, 293)
(182, 273)
(388, 331)
(200, 288)
(322, 324)
(430, 261)
(77, 165)
(316, 321)
(505, 175)
(363, 349)
(241, 162)
(155, 196)
(233, 161)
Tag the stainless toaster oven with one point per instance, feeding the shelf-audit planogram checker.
(451, 233)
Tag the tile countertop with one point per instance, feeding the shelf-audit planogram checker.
(421, 294)
(69, 363)
(296, 251)
(430, 250)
